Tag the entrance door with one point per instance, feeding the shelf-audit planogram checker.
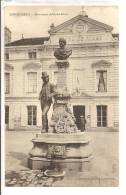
(79, 112)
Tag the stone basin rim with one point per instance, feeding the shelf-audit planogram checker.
(61, 134)
(61, 138)
(65, 160)
(50, 141)
(61, 174)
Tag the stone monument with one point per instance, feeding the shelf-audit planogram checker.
(66, 148)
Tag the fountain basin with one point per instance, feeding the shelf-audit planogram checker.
(54, 173)
(68, 152)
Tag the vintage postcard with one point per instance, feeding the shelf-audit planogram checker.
(61, 96)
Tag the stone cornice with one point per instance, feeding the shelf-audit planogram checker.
(23, 48)
(73, 97)
(48, 58)
(22, 99)
(83, 45)
(94, 97)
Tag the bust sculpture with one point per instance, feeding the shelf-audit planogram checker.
(63, 52)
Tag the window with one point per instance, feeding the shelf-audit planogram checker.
(6, 56)
(101, 116)
(32, 115)
(7, 83)
(78, 79)
(32, 82)
(101, 81)
(55, 77)
(32, 55)
(7, 115)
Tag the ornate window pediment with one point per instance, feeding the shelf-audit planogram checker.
(101, 63)
(32, 65)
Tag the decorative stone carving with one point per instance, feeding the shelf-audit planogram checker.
(56, 151)
(65, 124)
(63, 120)
(81, 27)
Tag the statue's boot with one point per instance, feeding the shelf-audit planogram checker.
(44, 124)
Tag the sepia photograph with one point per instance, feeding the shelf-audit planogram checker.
(61, 85)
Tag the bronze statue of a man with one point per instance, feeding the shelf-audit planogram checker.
(45, 97)
(63, 52)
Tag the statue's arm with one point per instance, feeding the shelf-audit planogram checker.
(40, 94)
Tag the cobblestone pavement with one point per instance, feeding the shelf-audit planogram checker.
(29, 178)
(104, 165)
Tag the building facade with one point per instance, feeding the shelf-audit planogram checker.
(92, 76)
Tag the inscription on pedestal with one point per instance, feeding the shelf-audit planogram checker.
(62, 78)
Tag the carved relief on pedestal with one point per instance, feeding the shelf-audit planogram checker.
(56, 151)
(65, 124)
(63, 120)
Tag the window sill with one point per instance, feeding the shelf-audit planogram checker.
(32, 92)
(102, 127)
(32, 58)
(101, 92)
(33, 126)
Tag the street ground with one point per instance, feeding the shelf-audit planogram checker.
(104, 165)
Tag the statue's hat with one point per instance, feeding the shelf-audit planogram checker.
(44, 74)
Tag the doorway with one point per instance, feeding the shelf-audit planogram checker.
(79, 112)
